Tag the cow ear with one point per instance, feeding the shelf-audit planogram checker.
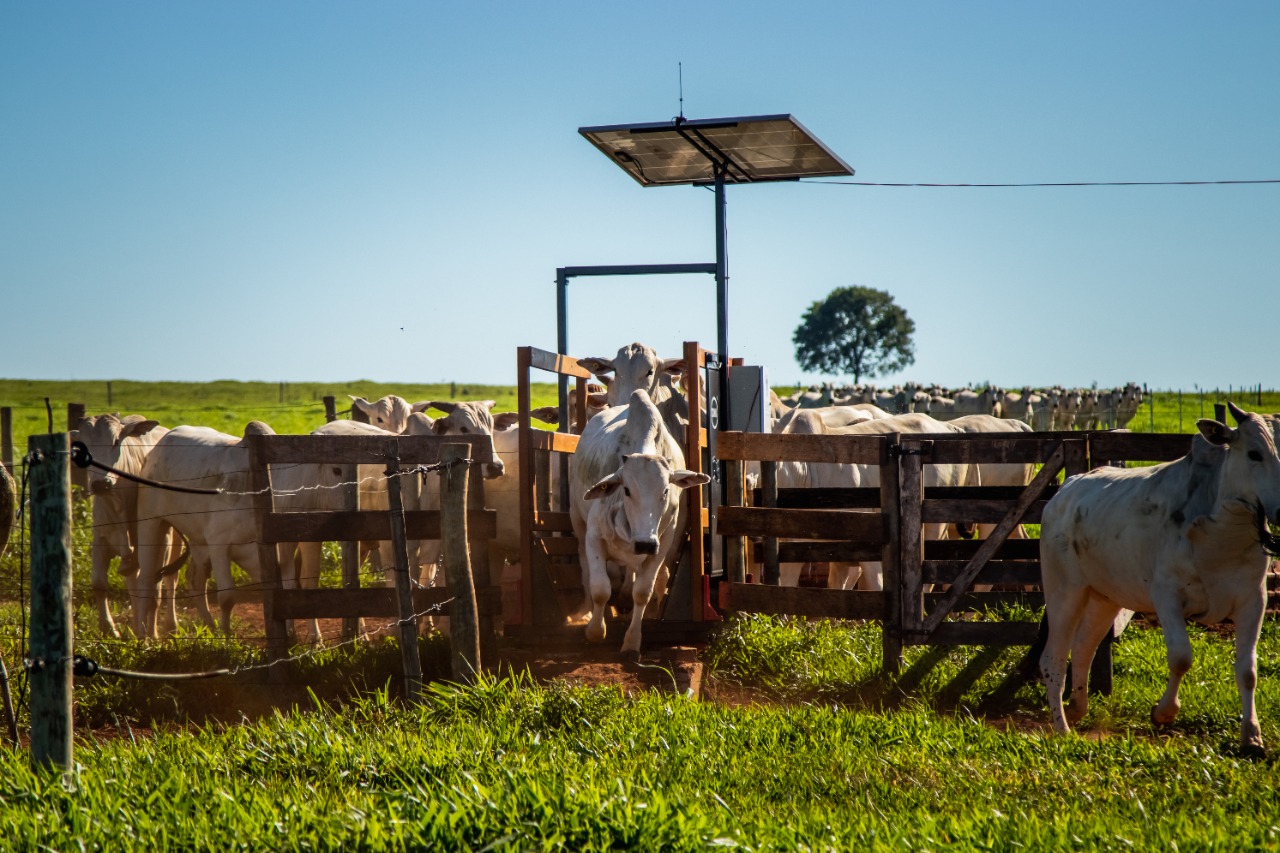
(442, 406)
(604, 487)
(141, 427)
(546, 414)
(598, 401)
(420, 406)
(362, 404)
(687, 479)
(505, 421)
(597, 365)
(1236, 412)
(1216, 433)
(673, 366)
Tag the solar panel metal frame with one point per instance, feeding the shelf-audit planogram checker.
(704, 150)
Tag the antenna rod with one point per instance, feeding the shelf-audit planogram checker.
(680, 70)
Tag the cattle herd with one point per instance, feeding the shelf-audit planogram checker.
(1180, 539)
(1044, 409)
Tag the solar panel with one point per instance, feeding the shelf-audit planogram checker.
(747, 150)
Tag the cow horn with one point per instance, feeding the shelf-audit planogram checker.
(1236, 412)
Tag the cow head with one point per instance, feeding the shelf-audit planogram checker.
(650, 493)
(475, 418)
(1251, 471)
(390, 412)
(635, 366)
(104, 436)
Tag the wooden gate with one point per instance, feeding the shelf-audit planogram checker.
(398, 455)
(886, 524)
(550, 575)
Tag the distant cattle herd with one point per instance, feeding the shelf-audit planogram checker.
(1044, 409)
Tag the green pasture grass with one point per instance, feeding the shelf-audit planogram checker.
(505, 765)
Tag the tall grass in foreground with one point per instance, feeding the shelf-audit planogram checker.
(505, 765)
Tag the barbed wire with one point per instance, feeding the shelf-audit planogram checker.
(87, 667)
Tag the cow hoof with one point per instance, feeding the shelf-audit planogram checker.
(1155, 719)
(1253, 749)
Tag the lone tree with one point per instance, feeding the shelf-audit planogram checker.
(858, 331)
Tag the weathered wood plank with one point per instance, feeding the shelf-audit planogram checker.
(969, 448)
(911, 472)
(868, 498)
(339, 526)
(560, 442)
(766, 447)
(800, 601)
(964, 549)
(365, 449)
(978, 512)
(825, 552)
(849, 525)
(552, 522)
(996, 571)
(1141, 447)
(556, 363)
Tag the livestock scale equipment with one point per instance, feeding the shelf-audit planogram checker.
(681, 152)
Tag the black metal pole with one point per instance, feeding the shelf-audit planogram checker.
(562, 341)
(722, 272)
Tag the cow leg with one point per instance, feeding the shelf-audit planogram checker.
(1098, 617)
(309, 578)
(1248, 621)
(1178, 651)
(641, 591)
(220, 560)
(168, 616)
(1062, 611)
(153, 544)
(198, 571)
(838, 575)
(100, 580)
(789, 573)
(599, 589)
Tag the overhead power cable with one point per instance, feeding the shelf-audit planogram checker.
(1062, 184)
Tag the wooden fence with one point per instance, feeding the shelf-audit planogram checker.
(398, 456)
(885, 524)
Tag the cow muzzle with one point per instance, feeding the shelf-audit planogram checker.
(646, 546)
(100, 486)
(494, 470)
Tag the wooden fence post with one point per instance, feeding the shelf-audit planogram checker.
(50, 644)
(464, 623)
(6, 438)
(891, 563)
(330, 410)
(108, 395)
(408, 624)
(350, 496)
(75, 414)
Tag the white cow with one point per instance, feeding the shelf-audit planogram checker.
(221, 526)
(996, 473)
(817, 475)
(390, 412)
(637, 366)
(1181, 539)
(627, 478)
(122, 444)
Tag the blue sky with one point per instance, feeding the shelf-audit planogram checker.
(335, 191)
